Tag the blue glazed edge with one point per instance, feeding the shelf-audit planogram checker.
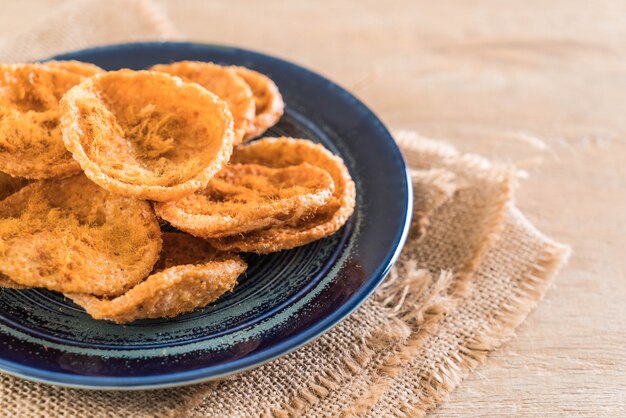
(266, 355)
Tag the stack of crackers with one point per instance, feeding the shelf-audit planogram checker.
(94, 165)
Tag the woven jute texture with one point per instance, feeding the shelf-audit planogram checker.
(472, 269)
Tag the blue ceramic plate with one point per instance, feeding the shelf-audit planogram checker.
(284, 301)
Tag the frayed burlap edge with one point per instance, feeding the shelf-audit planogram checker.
(456, 287)
(445, 376)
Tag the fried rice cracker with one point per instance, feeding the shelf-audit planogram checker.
(269, 105)
(70, 235)
(189, 275)
(146, 134)
(285, 152)
(247, 197)
(223, 82)
(30, 136)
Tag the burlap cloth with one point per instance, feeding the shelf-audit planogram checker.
(471, 270)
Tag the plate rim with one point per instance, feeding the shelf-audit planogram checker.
(203, 374)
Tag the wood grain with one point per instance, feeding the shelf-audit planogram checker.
(539, 84)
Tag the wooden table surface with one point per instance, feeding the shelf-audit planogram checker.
(535, 83)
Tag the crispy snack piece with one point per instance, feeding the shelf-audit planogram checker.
(269, 105)
(247, 197)
(223, 82)
(84, 69)
(190, 275)
(10, 185)
(146, 134)
(30, 136)
(284, 152)
(72, 236)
